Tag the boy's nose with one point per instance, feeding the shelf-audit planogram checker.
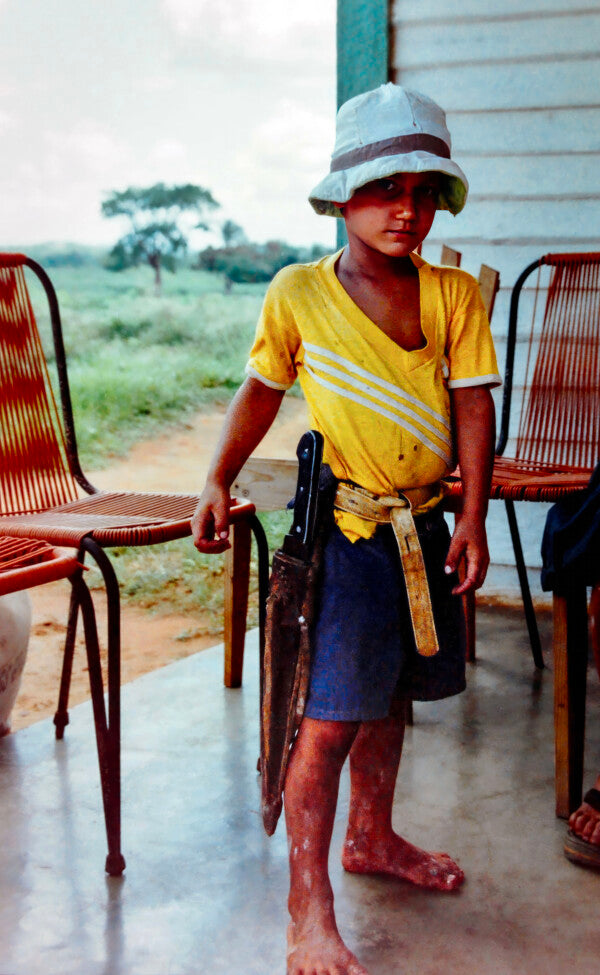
(405, 208)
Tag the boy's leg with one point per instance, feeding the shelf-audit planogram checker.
(371, 845)
(311, 790)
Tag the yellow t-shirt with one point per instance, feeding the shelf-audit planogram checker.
(384, 412)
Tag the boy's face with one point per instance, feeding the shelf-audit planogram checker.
(393, 215)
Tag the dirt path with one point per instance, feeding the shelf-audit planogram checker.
(176, 461)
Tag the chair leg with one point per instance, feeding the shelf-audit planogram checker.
(61, 717)
(532, 627)
(237, 575)
(108, 732)
(570, 671)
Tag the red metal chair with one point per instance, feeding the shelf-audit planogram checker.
(549, 440)
(25, 563)
(44, 493)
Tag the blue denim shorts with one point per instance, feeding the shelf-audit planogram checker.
(364, 659)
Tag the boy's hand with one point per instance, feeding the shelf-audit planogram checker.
(210, 521)
(474, 422)
(469, 541)
(251, 413)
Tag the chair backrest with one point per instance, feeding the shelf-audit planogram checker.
(489, 285)
(488, 280)
(450, 257)
(553, 375)
(35, 470)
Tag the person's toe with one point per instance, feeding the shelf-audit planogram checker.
(450, 873)
(590, 827)
(454, 880)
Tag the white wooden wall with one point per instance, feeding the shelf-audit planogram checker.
(520, 82)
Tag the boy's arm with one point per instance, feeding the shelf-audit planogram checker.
(475, 426)
(252, 411)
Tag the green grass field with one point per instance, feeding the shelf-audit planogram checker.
(138, 363)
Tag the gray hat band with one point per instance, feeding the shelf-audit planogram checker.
(391, 147)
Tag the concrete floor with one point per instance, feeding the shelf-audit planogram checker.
(205, 889)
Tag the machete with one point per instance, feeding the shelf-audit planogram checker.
(286, 661)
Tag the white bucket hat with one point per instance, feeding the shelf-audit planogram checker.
(385, 131)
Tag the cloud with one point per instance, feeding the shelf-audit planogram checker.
(88, 148)
(238, 38)
(171, 156)
(155, 83)
(239, 21)
(273, 172)
(6, 120)
(293, 138)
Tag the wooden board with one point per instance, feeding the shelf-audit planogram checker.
(519, 38)
(269, 483)
(453, 11)
(450, 257)
(489, 282)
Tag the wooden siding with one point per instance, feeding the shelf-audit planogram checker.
(520, 82)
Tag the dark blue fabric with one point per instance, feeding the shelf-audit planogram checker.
(571, 540)
(363, 650)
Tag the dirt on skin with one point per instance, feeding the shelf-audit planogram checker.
(176, 461)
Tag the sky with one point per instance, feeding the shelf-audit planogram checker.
(237, 96)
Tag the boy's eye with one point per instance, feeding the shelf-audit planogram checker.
(387, 185)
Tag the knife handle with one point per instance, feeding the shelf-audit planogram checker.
(309, 453)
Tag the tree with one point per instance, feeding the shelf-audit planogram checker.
(161, 218)
(232, 233)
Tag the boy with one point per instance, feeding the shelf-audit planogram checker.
(388, 351)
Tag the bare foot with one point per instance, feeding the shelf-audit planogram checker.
(397, 858)
(585, 821)
(317, 949)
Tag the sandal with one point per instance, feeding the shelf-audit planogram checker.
(578, 850)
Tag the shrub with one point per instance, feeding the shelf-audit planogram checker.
(254, 263)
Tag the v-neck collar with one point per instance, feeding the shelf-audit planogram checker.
(370, 330)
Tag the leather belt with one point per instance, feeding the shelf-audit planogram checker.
(397, 511)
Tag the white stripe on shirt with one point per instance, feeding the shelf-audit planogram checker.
(348, 394)
(371, 377)
(376, 394)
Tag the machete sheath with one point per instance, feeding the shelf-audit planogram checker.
(285, 666)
